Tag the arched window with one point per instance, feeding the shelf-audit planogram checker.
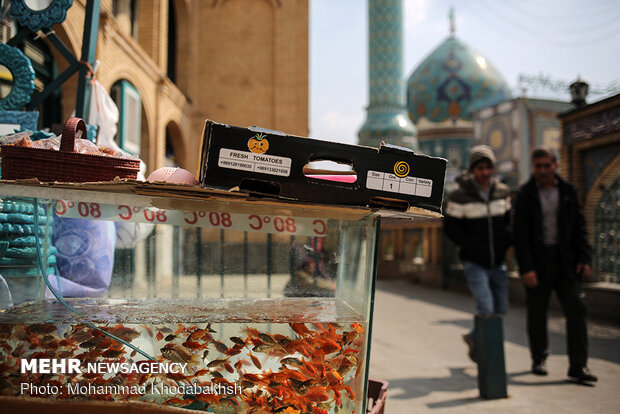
(129, 103)
(172, 42)
(170, 160)
(174, 146)
(126, 13)
(607, 234)
(45, 71)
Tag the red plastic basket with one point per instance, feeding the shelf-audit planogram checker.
(377, 395)
(65, 165)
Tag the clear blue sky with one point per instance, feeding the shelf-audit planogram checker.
(557, 38)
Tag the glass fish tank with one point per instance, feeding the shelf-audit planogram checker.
(196, 299)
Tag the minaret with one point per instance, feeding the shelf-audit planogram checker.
(387, 119)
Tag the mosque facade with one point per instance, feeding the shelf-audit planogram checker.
(456, 98)
(443, 93)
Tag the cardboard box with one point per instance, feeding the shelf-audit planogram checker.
(271, 163)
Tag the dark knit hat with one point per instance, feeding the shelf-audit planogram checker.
(479, 153)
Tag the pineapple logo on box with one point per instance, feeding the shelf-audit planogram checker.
(258, 144)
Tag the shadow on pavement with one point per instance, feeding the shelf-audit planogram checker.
(603, 340)
(408, 388)
(514, 380)
(458, 381)
(455, 403)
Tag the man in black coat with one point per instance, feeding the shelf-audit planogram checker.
(553, 254)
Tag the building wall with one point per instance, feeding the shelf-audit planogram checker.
(590, 159)
(513, 128)
(253, 63)
(243, 62)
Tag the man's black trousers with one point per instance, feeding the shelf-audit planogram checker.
(569, 292)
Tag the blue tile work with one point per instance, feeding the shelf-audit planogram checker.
(387, 118)
(454, 149)
(451, 81)
(607, 235)
(595, 160)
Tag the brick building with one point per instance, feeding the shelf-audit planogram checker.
(171, 64)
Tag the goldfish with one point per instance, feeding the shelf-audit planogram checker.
(124, 332)
(216, 363)
(299, 328)
(88, 344)
(292, 361)
(193, 345)
(80, 336)
(349, 337)
(266, 338)
(282, 340)
(233, 352)
(164, 329)
(357, 328)
(220, 346)
(330, 346)
(246, 384)
(176, 353)
(111, 353)
(237, 340)
(19, 351)
(255, 361)
(316, 394)
(50, 345)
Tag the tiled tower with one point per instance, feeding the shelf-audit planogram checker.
(387, 119)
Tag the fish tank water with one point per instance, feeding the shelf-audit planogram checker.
(210, 303)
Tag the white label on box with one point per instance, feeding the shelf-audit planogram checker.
(389, 185)
(374, 183)
(406, 188)
(250, 161)
(375, 174)
(415, 186)
(424, 187)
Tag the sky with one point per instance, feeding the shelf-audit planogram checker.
(557, 40)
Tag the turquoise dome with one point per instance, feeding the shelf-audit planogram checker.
(452, 81)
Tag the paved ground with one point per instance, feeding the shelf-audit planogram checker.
(417, 347)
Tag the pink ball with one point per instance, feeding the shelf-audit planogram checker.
(174, 175)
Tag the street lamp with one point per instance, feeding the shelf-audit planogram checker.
(578, 92)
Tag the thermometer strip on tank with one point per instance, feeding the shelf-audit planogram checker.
(262, 223)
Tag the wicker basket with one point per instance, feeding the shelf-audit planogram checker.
(65, 165)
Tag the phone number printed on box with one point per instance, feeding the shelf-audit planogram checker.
(415, 186)
(263, 223)
(249, 161)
